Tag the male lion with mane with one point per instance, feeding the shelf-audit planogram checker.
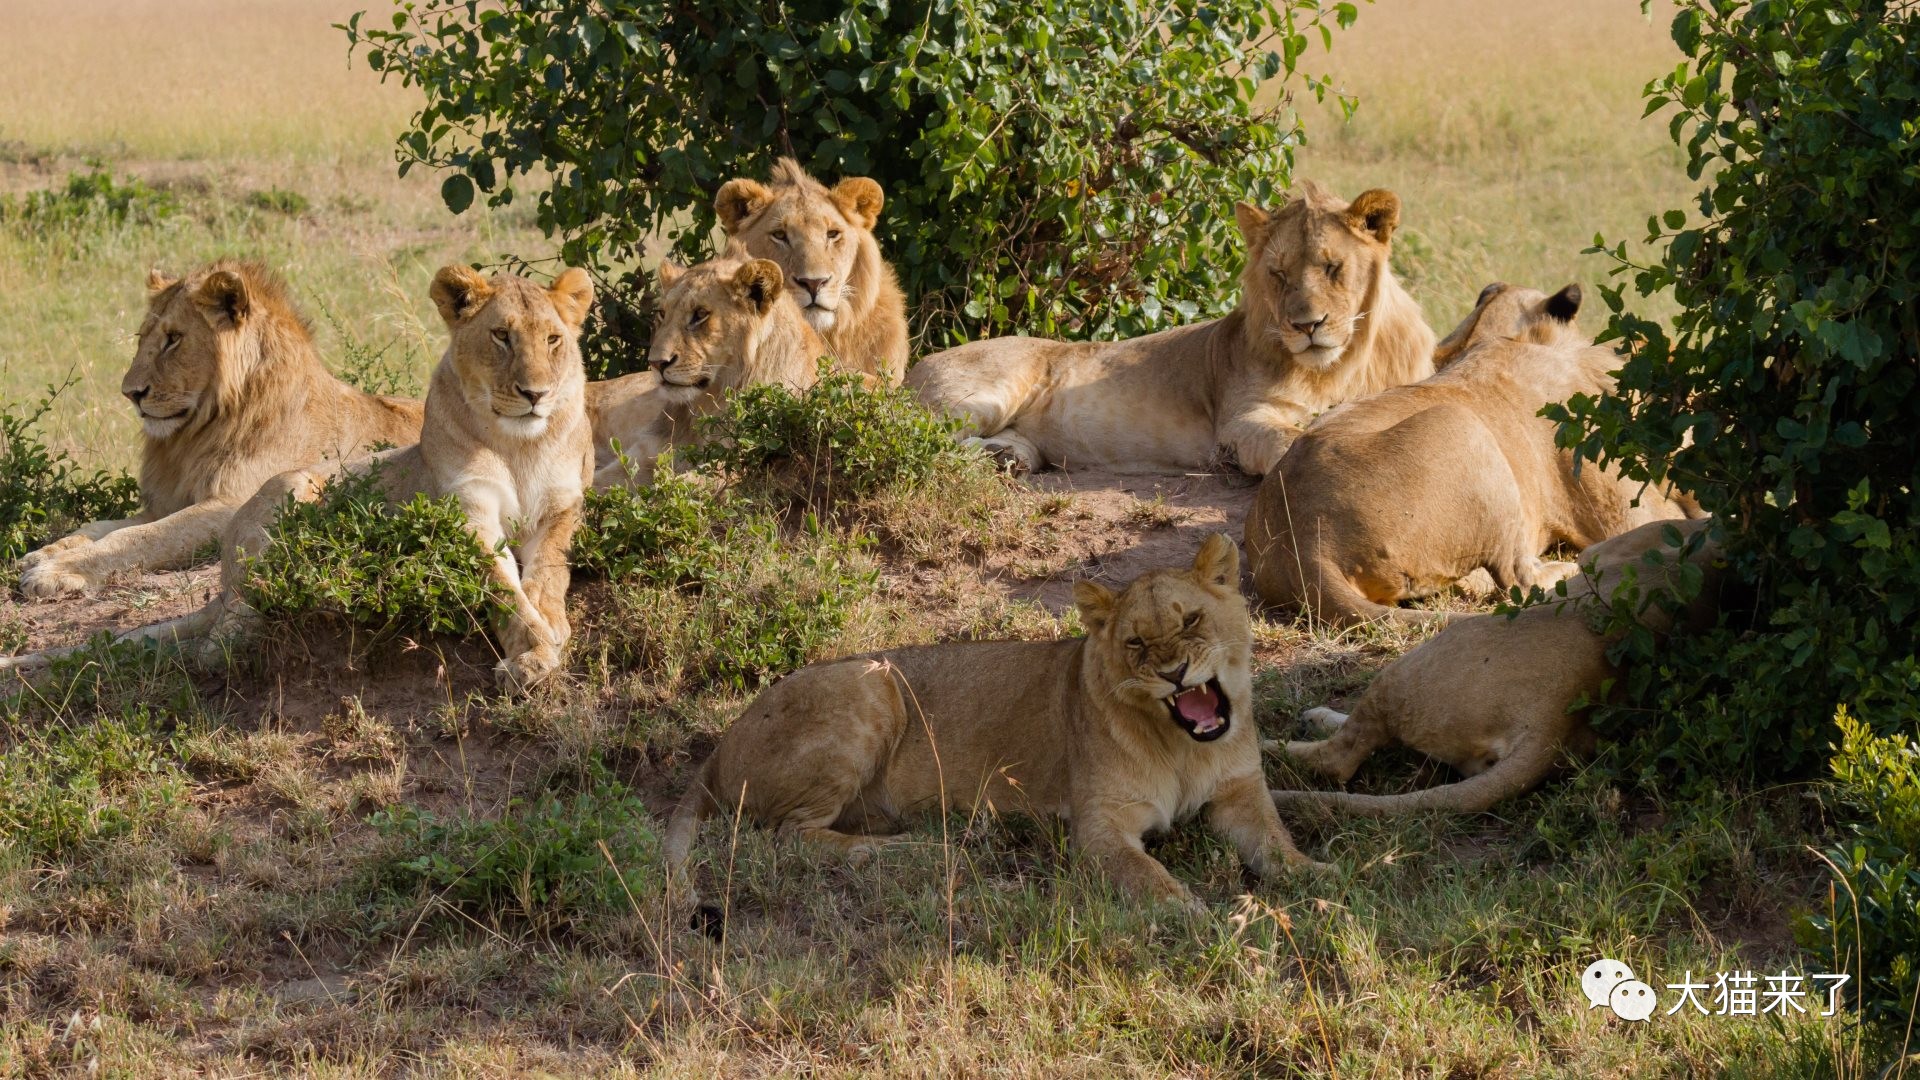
(823, 240)
(230, 391)
(1401, 495)
(1143, 722)
(1321, 321)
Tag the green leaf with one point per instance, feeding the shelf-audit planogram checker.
(457, 192)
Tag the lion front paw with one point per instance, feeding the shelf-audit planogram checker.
(47, 551)
(49, 578)
(521, 673)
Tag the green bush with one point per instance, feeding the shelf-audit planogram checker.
(1050, 166)
(664, 535)
(44, 493)
(408, 569)
(1873, 930)
(833, 441)
(551, 860)
(1784, 394)
(94, 196)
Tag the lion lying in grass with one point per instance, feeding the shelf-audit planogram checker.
(1321, 320)
(1399, 496)
(723, 325)
(1494, 696)
(505, 433)
(230, 391)
(822, 238)
(1143, 722)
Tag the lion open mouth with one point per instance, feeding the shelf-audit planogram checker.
(1203, 710)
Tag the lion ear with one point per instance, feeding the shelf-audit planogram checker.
(1376, 211)
(1253, 224)
(459, 291)
(1565, 304)
(739, 200)
(1095, 602)
(759, 283)
(860, 199)
(670, 273)
(223, 299)
(1218, 562)
(158, 282)
(572, 296)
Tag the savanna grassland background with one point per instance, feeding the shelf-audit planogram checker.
(341, 863)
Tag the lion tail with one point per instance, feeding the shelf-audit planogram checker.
(697, 805)
(182, 628)
(1333, 597)
(1512, 775)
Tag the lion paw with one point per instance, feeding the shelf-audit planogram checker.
(48, 579)
(518, 675)
(47, 551)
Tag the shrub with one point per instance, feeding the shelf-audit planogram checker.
(1050, 166)
(279, 201)
(94, 196)
(549, 860)
(1873, 930)
(351, 555)
(834, 440)
(664, 535)
(44, 493)
(1784, 393)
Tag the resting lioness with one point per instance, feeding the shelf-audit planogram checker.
(822, 237)
(723, 325)
(1139, 724)
(1491, 695)
(1400, 495)
(230, 391)
(506, 434)
(1321, 321)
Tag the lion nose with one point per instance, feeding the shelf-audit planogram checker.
(813, 285)
(136, 395)
(533, 396)
(662, 365)
(1178, 676)
(1309, 327)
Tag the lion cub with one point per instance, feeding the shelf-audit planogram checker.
(1401, 495)
(1143, 722)
(1490, 695)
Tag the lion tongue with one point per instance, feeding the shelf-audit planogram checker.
(1200, 705)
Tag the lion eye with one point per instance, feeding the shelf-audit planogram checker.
(833, 235)
(500, 335)
(1333, 271)
(1279, 276)
(1135, 643)
(172, 340)
(1192, 621)
(553, 341)
(779, 235)
(699, 316)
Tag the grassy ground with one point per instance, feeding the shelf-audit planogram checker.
(231, 873)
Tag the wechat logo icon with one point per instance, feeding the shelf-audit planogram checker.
(1612, 984)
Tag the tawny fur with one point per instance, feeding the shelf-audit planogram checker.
(824, 236)
(724, 325)
(1081, 729)
(231, 391)
(505, 433)
(1400, 495)
(1321, 321)
(1493, 696)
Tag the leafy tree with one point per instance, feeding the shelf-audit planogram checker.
(1785, 395)
(1054, 166)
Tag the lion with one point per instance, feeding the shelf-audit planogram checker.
(823, 240)
(230, 391)
(1401, 495)
(723, 325)
(1502, 699)
(1143, 722)
(1321, 320)
(505, 433)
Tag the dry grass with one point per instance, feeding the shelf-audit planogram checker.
(246, 919)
